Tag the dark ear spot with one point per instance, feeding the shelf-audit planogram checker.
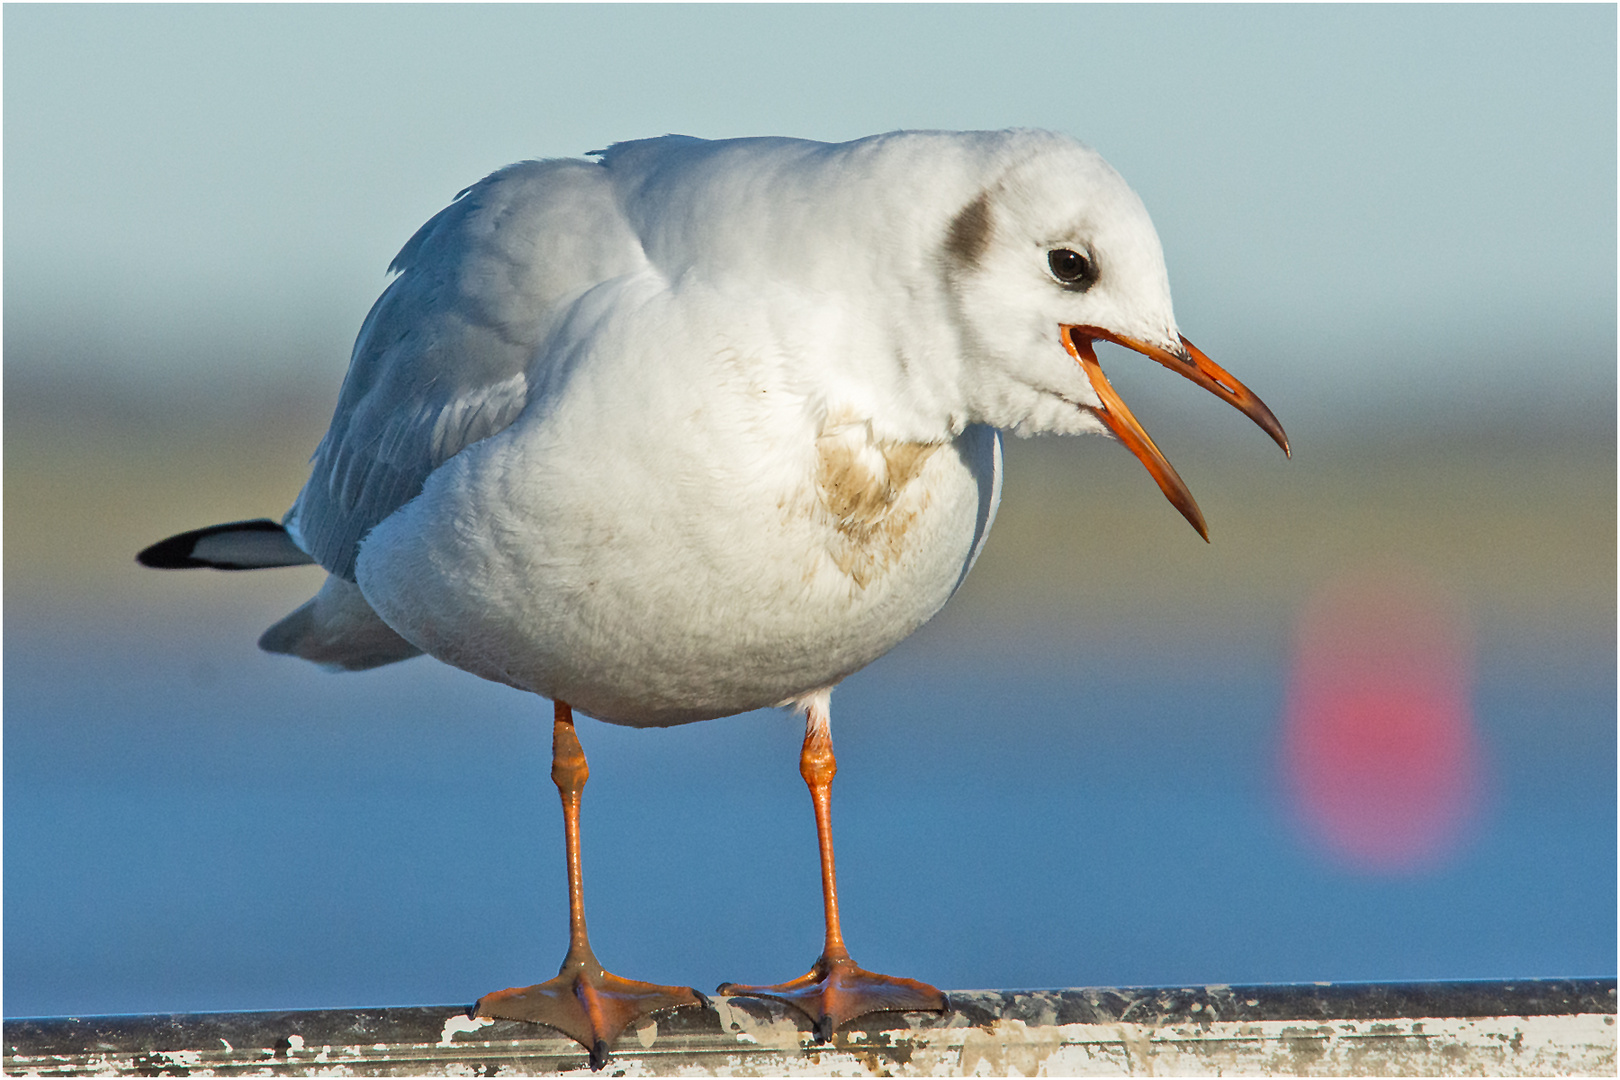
(969, 233)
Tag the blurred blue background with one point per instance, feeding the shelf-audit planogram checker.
(1396, 224)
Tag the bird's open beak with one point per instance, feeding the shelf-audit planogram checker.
(1187, 362)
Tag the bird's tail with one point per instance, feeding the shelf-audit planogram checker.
(237, 545)
(337, 629)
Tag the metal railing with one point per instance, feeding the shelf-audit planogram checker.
(1531, 1027)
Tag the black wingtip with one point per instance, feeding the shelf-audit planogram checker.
(178, 552)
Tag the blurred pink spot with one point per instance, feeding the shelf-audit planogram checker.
(1380, 750)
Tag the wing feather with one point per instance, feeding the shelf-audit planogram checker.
(449, 352)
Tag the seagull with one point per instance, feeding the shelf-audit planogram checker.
(686, 428)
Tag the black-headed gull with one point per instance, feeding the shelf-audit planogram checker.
(700, 427)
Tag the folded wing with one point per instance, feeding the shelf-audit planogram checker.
(450, 350)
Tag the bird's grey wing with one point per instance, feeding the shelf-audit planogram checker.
(448, 353)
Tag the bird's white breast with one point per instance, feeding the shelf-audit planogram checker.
(681, 528)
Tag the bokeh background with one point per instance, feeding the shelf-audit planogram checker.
(1368, 733)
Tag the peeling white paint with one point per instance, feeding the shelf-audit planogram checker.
(1548, 1045)
(458, 1024)
(776, 1033)
(773, 1043)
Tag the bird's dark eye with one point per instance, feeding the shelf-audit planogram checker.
(1072, 269)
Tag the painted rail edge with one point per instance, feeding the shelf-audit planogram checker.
(1526, 1027)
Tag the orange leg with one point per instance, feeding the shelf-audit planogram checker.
(836, 989)
(584, 1002)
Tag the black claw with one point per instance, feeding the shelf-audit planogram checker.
(599, 1055)
(824, 1029)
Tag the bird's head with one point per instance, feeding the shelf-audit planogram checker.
(1056, 253)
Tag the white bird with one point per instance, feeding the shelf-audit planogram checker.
(700, 427)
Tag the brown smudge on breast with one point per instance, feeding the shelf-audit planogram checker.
(866, 488)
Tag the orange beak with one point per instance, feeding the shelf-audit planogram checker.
(1187, 362)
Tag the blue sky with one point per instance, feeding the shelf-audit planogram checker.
(1361, 201)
